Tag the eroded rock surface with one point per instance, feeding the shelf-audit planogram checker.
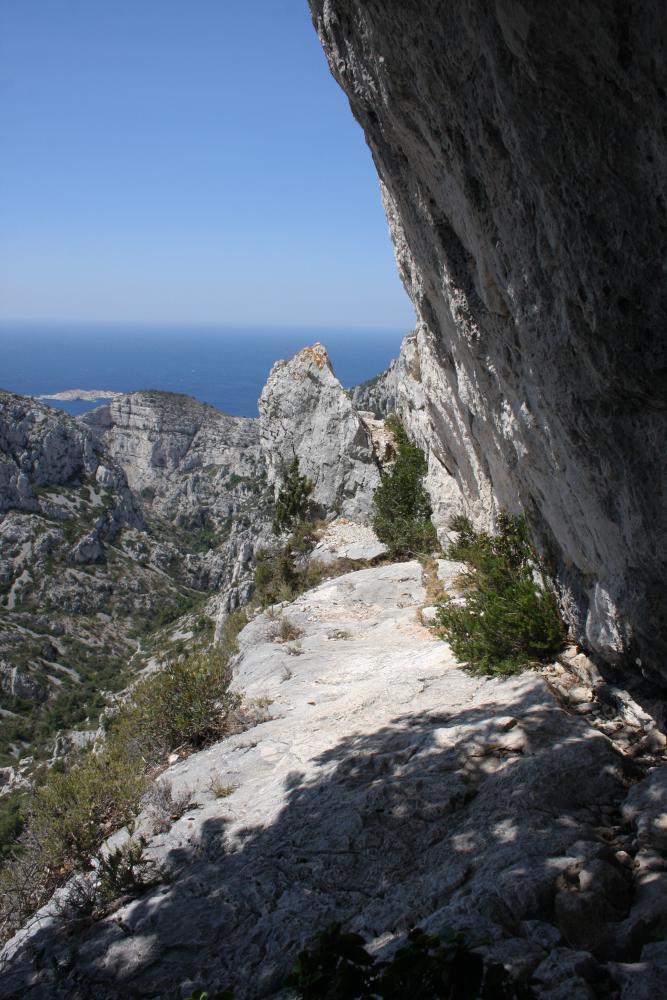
(389, 788)
(345, 539)
(305, 412)
(522, 150)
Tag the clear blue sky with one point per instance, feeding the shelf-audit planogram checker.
(184, 160)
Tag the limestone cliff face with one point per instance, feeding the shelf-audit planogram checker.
(38, 447)
(304, 411)
(197, 470)
(522, 151)
(183, 453)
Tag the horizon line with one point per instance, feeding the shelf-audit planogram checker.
(205, 324)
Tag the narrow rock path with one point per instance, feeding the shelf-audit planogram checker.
(388, 788)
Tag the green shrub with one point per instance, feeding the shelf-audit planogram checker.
(186, 703)
(12, 816)
(76, 809)
(235, 622)
(401, 508)
(292, 504)
(82, 802)
(126, 870)
(509, 620)
(427, 967)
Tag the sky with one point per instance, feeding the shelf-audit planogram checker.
(184, 161)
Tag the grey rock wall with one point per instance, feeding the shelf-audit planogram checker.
(522, 151)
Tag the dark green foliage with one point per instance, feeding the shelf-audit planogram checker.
(401, 507)
(12, 815)
(284, 573)
(188, 702)
(126, 870)
(338, 966)
(427, 967)
(509, 620)
(292, 504)
(90, 795)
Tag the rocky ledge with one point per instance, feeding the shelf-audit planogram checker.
(388, 788)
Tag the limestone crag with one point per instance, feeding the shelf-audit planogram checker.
(521, 151)
(389, 788)
(305, 412)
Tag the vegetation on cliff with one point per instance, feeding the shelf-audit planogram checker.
(293, 501)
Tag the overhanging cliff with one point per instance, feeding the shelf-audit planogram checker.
(522, 151)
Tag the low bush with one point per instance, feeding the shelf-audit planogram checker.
(427, 967)
(164, 806)
(510, 619)
(79, 805)
(287, 630)
(401, 515)
(126, 871)
(12, 814)
(284, 573)
(75, 810)
(188, 703)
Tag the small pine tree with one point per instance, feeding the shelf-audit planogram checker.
(293, 498)
(401, 507)
(509, 621)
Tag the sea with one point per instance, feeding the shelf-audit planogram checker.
(225, 366)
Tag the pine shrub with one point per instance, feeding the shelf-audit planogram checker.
(293, 501)
(401, 507)
(510, 619)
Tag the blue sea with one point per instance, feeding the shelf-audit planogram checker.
(224, 366)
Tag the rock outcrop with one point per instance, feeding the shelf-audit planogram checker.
(305, 412)
(389, 788)
(522, 151)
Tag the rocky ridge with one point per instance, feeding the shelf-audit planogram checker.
(147, 510)
(521, 153)
(388, 788)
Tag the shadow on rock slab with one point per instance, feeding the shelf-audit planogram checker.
(455, 818)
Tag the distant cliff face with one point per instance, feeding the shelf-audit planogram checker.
(197, 471)
(522, 151)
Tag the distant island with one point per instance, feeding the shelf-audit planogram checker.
(86, 394)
